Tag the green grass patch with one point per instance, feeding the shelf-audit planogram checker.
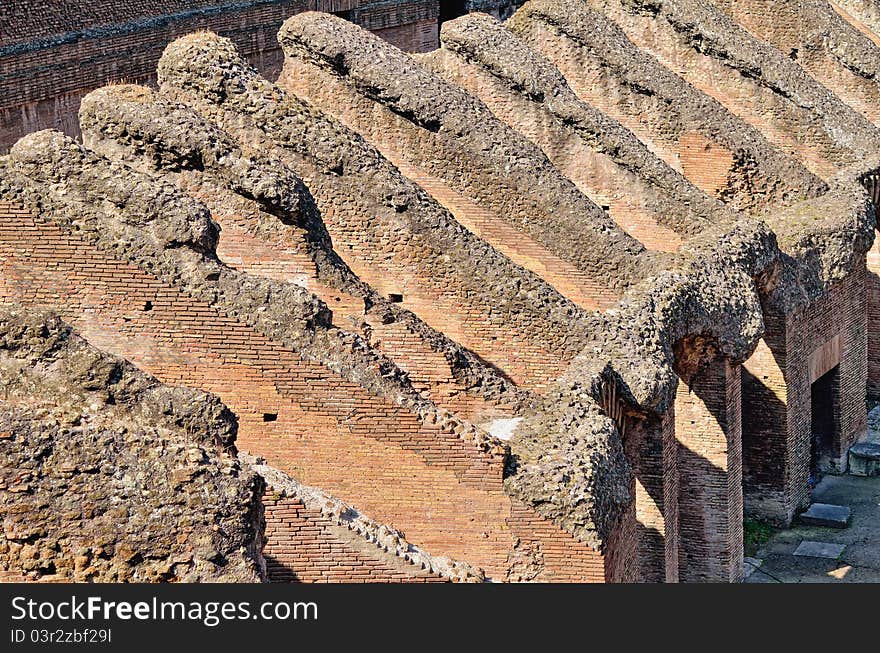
(755, 534)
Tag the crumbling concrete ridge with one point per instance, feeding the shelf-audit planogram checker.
(109, 476)
(412, 246)
(531, 95)
(563, 300)
(673, 118)
(135, 125)
(432, 125)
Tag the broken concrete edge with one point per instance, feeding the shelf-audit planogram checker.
(823, 240)
(709, 31)
(388, 538)
(659, 311)
(567, 461)
(591, 502)
(384, 74)
(672, 323)
(346, 51)
(153, 452)
(718, 293)
(482, 41)
(138, 127)
(600, 36)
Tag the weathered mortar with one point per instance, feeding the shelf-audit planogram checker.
(566, 458)
(866, 11)
(205, 70)
(388, 538)
(109, 476)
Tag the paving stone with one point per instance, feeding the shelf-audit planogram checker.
(826, 514)
(819, 549)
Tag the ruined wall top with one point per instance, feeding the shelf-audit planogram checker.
(482, 40)
(113, 477)
(581, 233)
(685, 108)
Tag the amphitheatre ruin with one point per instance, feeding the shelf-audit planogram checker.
(411, 291)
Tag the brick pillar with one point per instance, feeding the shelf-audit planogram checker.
(766, 440)
(709, 434)
(652, 451)
(873, 301)
(798, 348)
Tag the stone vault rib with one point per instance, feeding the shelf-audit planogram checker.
(677, 122)
(408, 237)
(137, 126)
(453, 136)
(595, 151)
(724, 60)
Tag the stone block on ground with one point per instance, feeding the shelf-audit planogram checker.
(826, 514)
(864, 459)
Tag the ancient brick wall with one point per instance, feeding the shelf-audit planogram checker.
(824, 42)
(23, 22)
(730, 159)
(419, 36)
(489, 204)
(709, 434)
(305, 546)
(41, 87)
(627, 198)
(652, 450)
(43, 76)
(443, 492)
(872, 277)
(807, 132)
(247, 244)
(777, 424)
(401, 242)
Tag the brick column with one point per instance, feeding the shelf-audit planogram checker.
(873, 301)
(797, 348)
(652, 451)
(709, 434)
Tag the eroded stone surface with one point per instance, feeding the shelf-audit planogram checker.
(109, 476)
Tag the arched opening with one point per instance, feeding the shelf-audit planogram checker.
(650, 447)
(708, 431)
